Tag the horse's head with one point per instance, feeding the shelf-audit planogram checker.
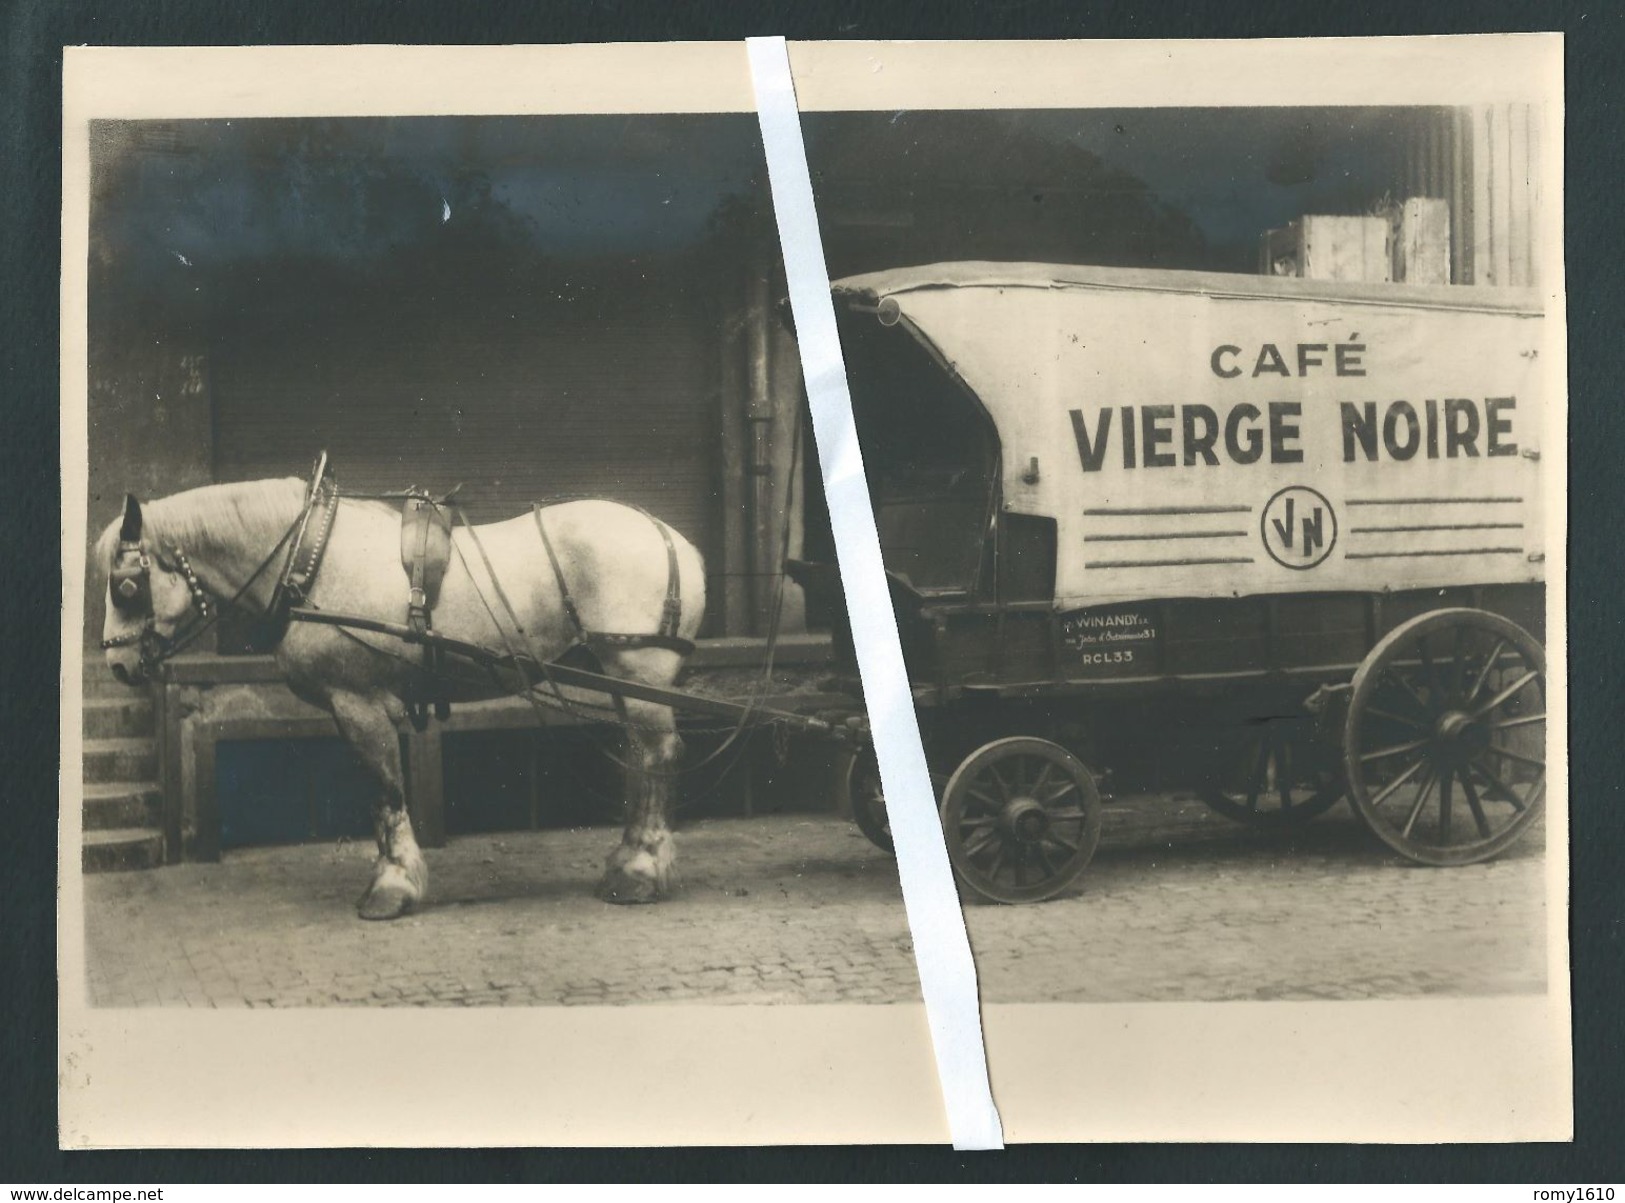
(150, 592)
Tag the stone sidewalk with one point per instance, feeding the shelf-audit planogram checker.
(1179, 904)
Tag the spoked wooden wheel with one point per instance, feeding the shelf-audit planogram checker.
(858, 779)
(1445, 740)
(1022, 818)
(1272, 776)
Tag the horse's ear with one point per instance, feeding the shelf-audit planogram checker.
(130, 532)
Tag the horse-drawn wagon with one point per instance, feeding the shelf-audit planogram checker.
(1279, 540)
(1282, 539)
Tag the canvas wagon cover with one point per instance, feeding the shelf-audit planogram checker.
(1201, 435)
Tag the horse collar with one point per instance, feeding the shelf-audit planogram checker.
(313, 529)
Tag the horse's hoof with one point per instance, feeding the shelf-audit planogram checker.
(627, 890)
(637, 873)
(385, 902)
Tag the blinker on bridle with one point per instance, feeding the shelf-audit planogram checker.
(130, 590)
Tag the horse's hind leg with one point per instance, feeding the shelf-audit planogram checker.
(399, 876)
(640, 869)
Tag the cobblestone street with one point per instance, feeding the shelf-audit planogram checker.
(1178, 905)
(1182, 905)
(770, 910)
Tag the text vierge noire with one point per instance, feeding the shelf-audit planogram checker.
(1191, 433)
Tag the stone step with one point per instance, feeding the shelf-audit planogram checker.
(114, 804)
(108, 760)
(122, 848)
(99, 681)
(126, 716)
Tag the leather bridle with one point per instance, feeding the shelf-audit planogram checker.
(129, 588)
(129, 582)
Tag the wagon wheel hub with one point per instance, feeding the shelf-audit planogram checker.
(1025, 819)
(1461, 735)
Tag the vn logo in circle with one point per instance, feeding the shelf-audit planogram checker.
(1299, 527)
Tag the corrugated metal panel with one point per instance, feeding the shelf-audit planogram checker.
(1485, 161)
(1461, 193)
(516, 399)
(1504, 179)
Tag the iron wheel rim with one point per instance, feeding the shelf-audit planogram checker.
(1021, 817)
(1444, 746)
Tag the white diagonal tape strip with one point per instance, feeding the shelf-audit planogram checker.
(941, 949)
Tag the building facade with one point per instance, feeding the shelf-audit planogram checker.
(537, 308)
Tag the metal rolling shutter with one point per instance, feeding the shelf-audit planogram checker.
(518, 400)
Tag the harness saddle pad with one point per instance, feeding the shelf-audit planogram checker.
(425, 553)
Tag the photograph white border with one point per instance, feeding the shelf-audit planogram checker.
(1445, 1070)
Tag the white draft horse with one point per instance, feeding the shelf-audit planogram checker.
(165, 556)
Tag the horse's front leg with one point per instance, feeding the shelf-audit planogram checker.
(640, 869)
(400, 878)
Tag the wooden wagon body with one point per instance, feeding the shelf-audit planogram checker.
(1177, 518)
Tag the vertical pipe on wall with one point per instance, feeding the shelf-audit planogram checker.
(759, 428)
(786, 477)
(731, 411)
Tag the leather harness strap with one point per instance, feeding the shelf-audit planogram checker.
(671, 610)
(415, 522)
(425, 555)
(569, 602)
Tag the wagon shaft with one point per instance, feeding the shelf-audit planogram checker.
(572, 677)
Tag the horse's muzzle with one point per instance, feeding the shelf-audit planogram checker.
(126, 676)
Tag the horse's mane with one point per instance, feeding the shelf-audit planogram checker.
(215, 516)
